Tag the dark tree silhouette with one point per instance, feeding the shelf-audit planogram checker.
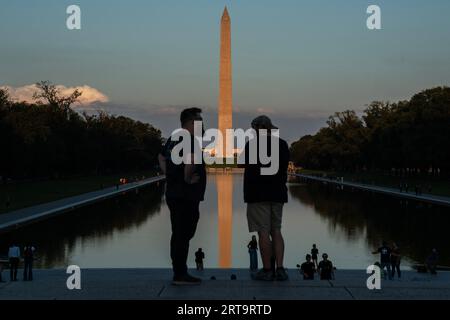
(50, 139)
(50, 93)
(408, 136)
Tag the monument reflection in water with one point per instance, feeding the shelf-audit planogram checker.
(224, 184)
(133, 231)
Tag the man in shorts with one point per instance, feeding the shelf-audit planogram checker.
(265, 196)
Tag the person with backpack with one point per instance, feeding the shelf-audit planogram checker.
(199, 256)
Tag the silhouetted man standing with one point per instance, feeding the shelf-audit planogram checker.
(265, 196)
(14, 259)
(199, 257)
(28, 258)
(385, 258)
(186, 184)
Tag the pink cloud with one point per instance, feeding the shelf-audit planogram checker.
(90, 95)
(265, 110)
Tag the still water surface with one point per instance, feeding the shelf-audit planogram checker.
(133, 231)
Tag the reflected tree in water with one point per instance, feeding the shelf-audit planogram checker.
(415, 227)
(57, 238)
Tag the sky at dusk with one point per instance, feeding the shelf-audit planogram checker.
(296, 61)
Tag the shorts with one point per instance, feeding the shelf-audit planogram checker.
(264, 216)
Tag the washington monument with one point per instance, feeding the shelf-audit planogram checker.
(225, 181)
(225, 84)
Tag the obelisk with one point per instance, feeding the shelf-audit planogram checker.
(225, 83)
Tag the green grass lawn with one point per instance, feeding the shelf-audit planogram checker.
(439, 187)
(28, 194)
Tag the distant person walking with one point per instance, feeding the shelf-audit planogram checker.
(396, 260)
(308, 268)
(385, 259)
(265, 196)
(315, 255)
(185, 189)
(199, 257)
(326, 269)
(432, 261)
(1, 270)
(8, 202)
(253, 252)
(14, 259)
(418, 190)
(28, 258)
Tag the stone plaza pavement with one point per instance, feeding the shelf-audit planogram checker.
(106, 284)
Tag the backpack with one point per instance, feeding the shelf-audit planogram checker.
(28, 252)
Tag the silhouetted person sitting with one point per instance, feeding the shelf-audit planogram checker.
(14, 259)
(308, 268)
(28, 257)
(325, 269)
(199, 256)
(432, 261)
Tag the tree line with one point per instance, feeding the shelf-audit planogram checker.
(411, 136)
(49, 139)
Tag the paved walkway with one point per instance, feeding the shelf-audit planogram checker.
(438, 200)
(155, 284)
(15, 219)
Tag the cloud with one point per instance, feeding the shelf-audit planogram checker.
(265, 110)
(89, 95)
(170, 110)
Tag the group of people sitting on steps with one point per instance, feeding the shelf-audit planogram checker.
(324, 268)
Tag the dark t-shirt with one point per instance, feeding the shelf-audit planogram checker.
(199, 256)
(177, 188)
(314, 253)
(266, 188)
(326, 269)
(253, 245)
(385, 254)
(308, 269)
